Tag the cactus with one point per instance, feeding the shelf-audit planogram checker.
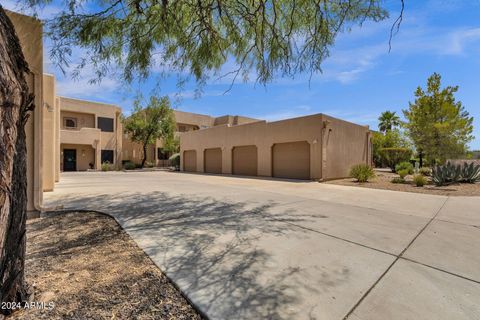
(470, 172)
(446, 174)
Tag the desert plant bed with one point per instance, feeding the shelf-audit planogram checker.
(91, 269)
(382, 180)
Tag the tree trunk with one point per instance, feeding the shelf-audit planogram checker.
(144, 154)
(15, 103)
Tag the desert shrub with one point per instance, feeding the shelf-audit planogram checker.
(446, 174)
(470, 172)
(129, 165)
(175, 160)
(362, 172)
(106, 166)
(397, 180)
(404, 166)
(425, 171)
(402, 173)
(419, 180)
(393, 156)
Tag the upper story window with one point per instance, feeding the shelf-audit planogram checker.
(70, 123)
(105, 124)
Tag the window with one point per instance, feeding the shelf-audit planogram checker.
(162, 154)
(70, 123)
(105, 124)
(107, 156)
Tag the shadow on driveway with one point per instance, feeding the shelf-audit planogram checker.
(209, 249)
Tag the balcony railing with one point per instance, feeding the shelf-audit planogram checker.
(81, 136)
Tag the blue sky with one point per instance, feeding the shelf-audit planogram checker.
(360, 79)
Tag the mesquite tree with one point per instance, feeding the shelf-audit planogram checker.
(155, 121)
(15, 103)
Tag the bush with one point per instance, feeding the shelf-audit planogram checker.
(175, 160)
(427, 172)
(470, 172)
(362, 172)
(419, 180)
(106, 166)
(398, 180)
(402, 173)
(393, 156)
(129, 165)
(404, 166)
(446, 174)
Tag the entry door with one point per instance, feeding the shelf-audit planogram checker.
(69, 160)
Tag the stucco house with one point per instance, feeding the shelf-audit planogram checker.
(316, 147)
(185, 122)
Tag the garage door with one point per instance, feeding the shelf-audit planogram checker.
(244, 160)
(213, 160)
(190, 160)
(291, 160)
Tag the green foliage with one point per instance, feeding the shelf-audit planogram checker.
(405, 165)
(391, 139)
(446, 174)
(397, 180)
(439, 126)
(393, 156)
(425, 171)
(197, 38)
(387, 121)
(362, 172)
(129, 165)
(419, 180)
(146, 125)
(175, 160)
(470, 172)
(172, 145)
(402, 173)
(106, 166)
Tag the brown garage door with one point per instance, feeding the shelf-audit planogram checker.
(213, 160)
(190, 160)
(244, 160)
(291, 160)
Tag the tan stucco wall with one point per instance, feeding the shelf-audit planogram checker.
(84, 120)
(29, 31)
(49, 132)
(264, 135)
(346, 145)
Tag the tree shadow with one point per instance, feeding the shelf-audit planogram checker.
(211, 249)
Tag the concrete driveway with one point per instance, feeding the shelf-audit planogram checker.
(244, 248)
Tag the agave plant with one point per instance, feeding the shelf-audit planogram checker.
(446, 174)
(470, 172)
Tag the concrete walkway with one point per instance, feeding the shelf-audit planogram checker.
(244, 248)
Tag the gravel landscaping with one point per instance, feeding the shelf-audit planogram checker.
(91, 269)
(383, 180)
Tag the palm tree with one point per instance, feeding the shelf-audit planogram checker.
(388, 120)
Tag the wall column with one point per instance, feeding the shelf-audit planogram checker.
(98, 155)
(227, 160)
(264, 154)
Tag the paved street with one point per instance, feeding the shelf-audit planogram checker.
(243, 248)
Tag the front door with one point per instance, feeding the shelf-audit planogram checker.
(69, 160)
